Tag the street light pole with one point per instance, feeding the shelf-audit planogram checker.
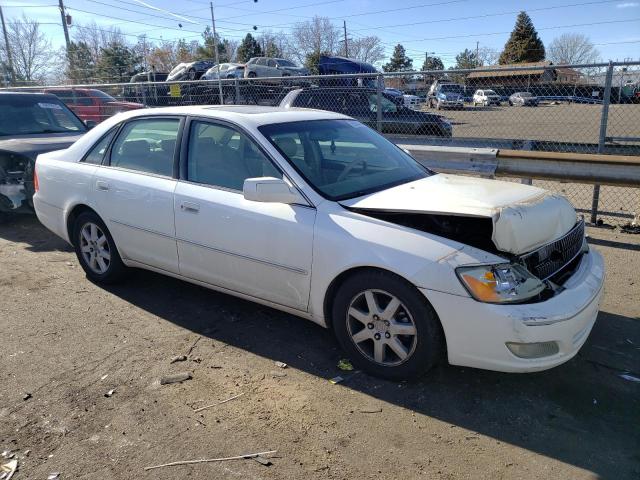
(217, 55)
(6, 43)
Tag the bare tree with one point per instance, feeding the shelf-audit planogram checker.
(97, 38)
(572, 48)
(367, 49)
(313, 37)
(30, 49)
(487, 56)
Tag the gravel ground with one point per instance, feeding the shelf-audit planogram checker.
(67, 343)
(561, 123)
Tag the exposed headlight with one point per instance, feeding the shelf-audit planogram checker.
(504, 283)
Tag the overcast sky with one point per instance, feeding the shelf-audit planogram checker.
(444, 27)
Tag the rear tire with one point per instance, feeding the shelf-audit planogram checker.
(386, 326)
(96, 250)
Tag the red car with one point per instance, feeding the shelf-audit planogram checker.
(91, 104)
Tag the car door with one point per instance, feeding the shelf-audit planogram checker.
(134, 190)
(258, 249)
(87, 107)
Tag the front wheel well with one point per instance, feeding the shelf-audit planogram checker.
(340, 279)
(75, 213)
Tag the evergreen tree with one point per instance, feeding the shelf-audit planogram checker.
(248, 48)
(118, 63)
(466, 60)
(207, 51)
(312, 61)
(432, 63)
(399, 62)
(524, 44)
(273, 51)
(81, 66)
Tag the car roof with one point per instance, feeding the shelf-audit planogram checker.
(26, 94)
(242, 114)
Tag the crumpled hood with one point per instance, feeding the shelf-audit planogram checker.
(33, 145)
(524, 217)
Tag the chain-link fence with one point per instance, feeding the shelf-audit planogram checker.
(540, 107)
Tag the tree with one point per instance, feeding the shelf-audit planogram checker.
(524, 44)
(312, 61)
(432, 63)
(30, 50)
(81, 67)
(399, 62)
(573, 48)
(207, 51)
(466, 59)
(312, 37)
(273, 44)
(487, 56)
(366, 49)
(248, 48)
(118, 63)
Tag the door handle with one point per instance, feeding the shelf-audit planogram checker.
(190, 207)
(100, 185)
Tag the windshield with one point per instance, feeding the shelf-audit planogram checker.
(20, 115)
(451, 88)
(490, 92)
(177, 68)
(102, 95)
(343, 158)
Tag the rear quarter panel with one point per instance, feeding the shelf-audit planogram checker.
(63, 184)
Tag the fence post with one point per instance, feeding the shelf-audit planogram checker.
(604, 118)
(379, 81)
(237, 90)
(144, 94)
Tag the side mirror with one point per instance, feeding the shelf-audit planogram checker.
(270, 190)
(90, 124)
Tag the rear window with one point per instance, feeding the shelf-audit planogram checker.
(32, 114)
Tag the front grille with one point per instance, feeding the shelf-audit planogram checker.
(547, 260)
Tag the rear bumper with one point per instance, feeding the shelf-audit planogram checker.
(477, 333)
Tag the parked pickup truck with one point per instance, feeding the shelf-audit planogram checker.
(91, 104)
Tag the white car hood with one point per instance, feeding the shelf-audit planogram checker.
(524, 217)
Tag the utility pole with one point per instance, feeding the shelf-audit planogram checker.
(477, 51)
(217, 55)
(64, 25)
(346, 47)
(6, 43)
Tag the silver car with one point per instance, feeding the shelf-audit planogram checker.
(224, 70)
(272, 67)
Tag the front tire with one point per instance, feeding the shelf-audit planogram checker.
(96, 250)
(386, 326)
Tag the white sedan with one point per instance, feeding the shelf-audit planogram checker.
(315, 214)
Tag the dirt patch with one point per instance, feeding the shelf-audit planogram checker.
(68, 342)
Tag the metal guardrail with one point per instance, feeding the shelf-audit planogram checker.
(614, 171)
(584, 168)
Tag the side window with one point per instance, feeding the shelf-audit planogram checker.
(272, 63)
(387, 105)
(223, 157)
(147, 145)
(96, 154)
(84, 100)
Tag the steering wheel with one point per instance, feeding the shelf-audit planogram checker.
(350, 166)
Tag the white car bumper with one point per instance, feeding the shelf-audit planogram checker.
(478, 333)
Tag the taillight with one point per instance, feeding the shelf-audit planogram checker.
(36, 184)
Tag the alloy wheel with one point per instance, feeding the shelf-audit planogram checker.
(95, 248)
(381, 327)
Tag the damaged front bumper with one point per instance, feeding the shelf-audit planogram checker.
(13, 195)
(526, 337)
